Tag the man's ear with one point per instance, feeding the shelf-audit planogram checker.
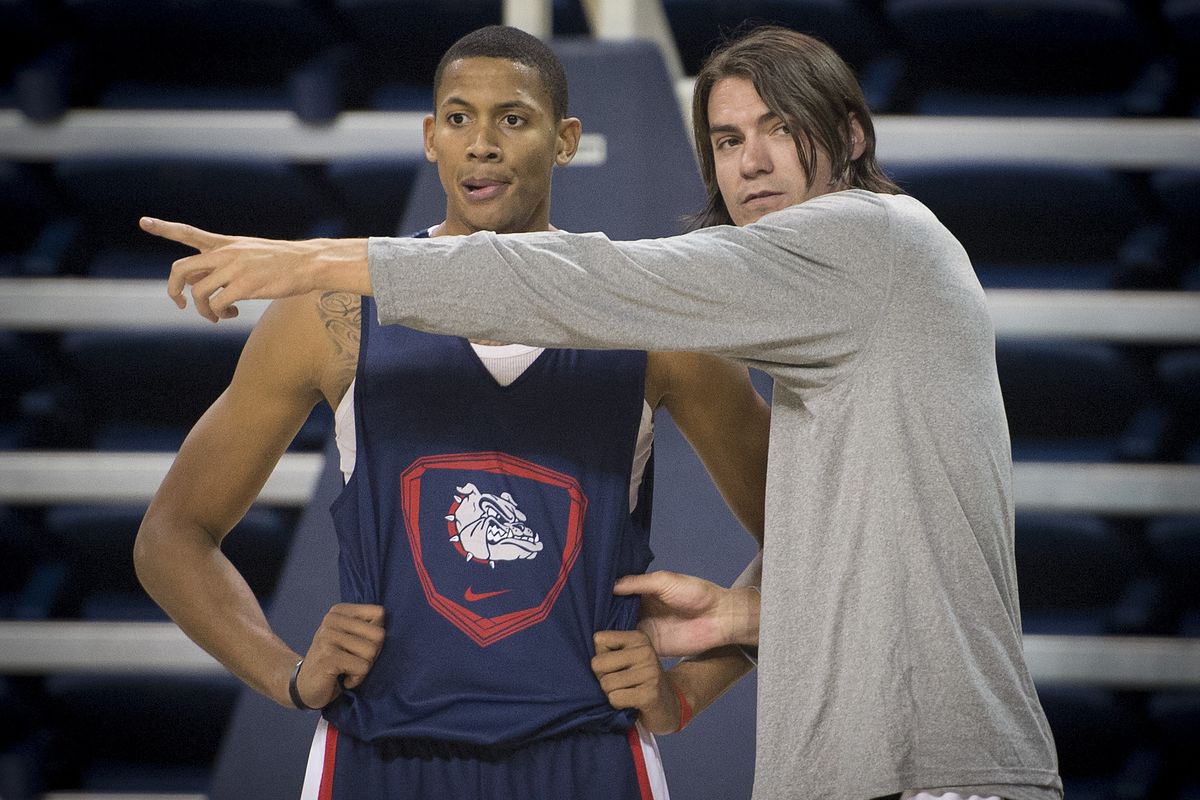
(858, 139)
(569, 131)
(427, 132)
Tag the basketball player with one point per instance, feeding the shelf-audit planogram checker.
(891, 658)
(494, 494)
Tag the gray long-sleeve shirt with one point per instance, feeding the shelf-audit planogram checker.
(891, 654)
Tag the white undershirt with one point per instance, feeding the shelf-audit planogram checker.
(506, 363)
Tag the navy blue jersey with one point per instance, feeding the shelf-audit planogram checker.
(491, 523)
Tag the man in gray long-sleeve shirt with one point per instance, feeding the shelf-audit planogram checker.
(891, 656)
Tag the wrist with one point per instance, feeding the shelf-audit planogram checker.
(744, 604)
(685, 707)
(294, 689)
(341, 265)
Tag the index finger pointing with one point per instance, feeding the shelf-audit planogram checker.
(202, 240)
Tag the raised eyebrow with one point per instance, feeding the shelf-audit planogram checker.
(454, 100)
(515, 105)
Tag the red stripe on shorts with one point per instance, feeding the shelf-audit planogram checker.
(326, 790)
(639, 764)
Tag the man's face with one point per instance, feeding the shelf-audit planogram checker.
(495, 141)
(758, 168)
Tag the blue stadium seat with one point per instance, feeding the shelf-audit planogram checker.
(1178, 191)
(34, 235)
(131, 390)
(141, 390)
(371, 193)
(849, 26)
(1176, 545)
(1080, 575)
(1037, 226)
(134, 733)
(23, 28)
(21, 555)
(1182, 19)
(96, 543)
(1179, 382)
(1077, 401)
(25, 33)
(22, 749)
(1175, 717)
(268, 197)
(398, 45)
(1075, 58)
(1100, 738)
(206, 54)
(25, 369)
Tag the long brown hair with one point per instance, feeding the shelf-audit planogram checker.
(803, 81)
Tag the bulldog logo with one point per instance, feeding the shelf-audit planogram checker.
(488, 528)
(534, 517)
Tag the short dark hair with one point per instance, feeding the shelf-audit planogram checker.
(511, 44)
(808, 86)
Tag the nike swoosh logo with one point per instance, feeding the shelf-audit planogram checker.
(472, 596)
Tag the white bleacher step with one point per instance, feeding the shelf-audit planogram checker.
(45, 477)
(1125, 662)
(1134, 317)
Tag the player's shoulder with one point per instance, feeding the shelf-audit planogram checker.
(303, 325)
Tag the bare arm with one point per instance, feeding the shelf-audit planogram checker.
(218, 473)
(726, 422)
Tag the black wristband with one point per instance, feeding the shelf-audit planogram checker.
(294, 691)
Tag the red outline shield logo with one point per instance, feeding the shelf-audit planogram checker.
(488, 630)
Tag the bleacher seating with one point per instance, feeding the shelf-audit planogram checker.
(370, 194)
(109, 194)
(1176, 545)
(205, 54)
(1100, 736)
(95, 543)
(1084, 575)
(1078, 401)
(1096, 59)
(21, 556)
(1175, 723)
(1179, 380)
(140, 390)
(848, 25)
(91, 720)
(1043, 226)
(27, 206)
(1182, 20)
(1178, 191)
(1040, 226)
(25, 369)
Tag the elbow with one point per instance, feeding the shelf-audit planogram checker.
(169, 545)
(146, 548)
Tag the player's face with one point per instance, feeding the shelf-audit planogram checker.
(495, 141)
(757, 165)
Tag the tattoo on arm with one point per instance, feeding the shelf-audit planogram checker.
(341, 313)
